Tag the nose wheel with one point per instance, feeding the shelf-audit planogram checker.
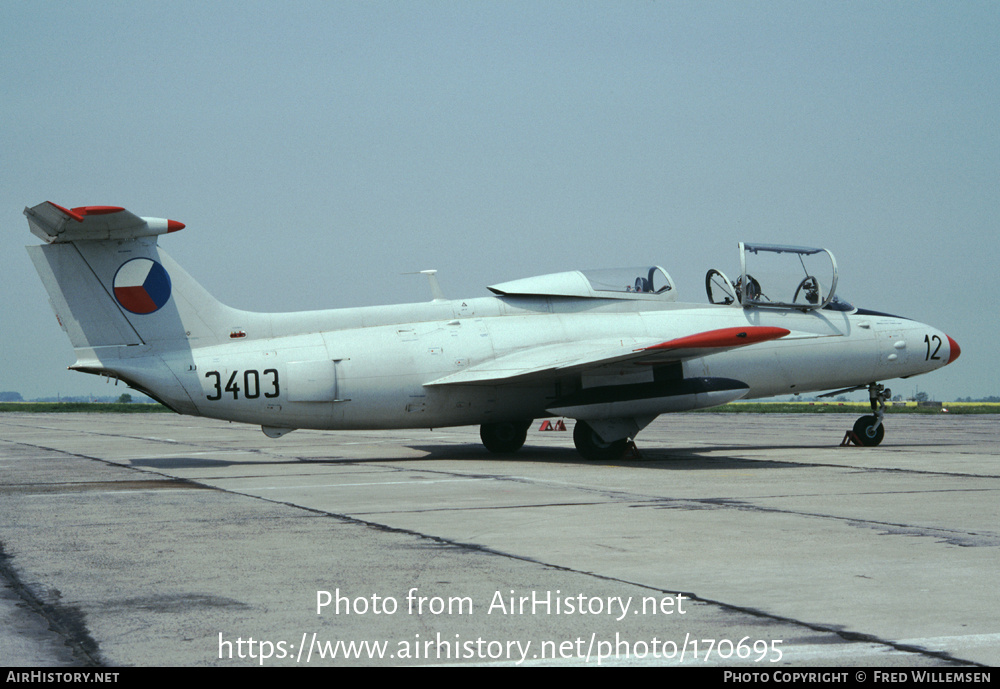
(868, 430)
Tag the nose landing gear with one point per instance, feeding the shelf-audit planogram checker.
(868, 430)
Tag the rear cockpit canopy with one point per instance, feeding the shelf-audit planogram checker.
(644, 283)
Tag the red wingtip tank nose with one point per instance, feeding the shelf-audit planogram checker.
(955, 349)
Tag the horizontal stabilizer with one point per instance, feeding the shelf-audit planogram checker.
(54, 224)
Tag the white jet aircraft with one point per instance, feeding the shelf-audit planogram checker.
(612, 349)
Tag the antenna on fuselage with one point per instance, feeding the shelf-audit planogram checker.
(436, 293)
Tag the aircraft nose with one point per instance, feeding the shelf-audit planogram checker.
(953, 348)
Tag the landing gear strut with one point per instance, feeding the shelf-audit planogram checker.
(869, 430)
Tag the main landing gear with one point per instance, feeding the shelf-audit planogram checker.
(506, 437)
(509, 436)
(868, 430)
(590, 445)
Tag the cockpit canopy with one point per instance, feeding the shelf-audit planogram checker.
(779, 276)
(651, 282)
(771, 276)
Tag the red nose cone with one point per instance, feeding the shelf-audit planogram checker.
(173, 226)
(955, 349)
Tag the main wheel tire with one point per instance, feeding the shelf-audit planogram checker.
(504, 438)
(867, 433)
(590, 446)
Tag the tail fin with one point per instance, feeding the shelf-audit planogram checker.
(111, 285)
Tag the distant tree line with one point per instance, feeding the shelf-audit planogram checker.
(124, 398)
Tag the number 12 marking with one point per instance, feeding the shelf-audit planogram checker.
(932, 356)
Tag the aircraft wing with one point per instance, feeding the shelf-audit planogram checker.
(544, 362)
(55, 224)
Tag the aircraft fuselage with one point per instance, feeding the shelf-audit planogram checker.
(368, 370)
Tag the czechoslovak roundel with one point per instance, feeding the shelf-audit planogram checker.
(142, 286)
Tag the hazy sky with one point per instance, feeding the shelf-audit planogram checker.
(319, 150)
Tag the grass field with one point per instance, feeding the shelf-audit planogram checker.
(82, 407)
(856, 408)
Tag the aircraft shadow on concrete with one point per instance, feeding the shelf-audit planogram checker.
(667, 458)
(658, 458)
(203, 463)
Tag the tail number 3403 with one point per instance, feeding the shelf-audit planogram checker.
(252, 384)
